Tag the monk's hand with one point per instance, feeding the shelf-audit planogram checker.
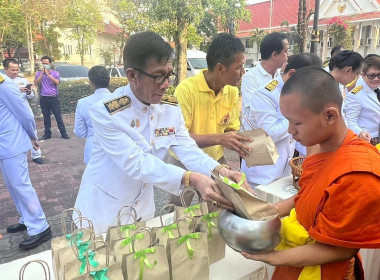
(269, 257)
(232, 140)
(35, 144)
(209, 190)
(365, 135)
(236, 177)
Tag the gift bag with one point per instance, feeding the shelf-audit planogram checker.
(199, 209)
(145, 263)
(264, 151)
(63, 241)
(246, 205)
(123, 245)
(44, 265)
(113, 232)
(216, 246)
(161, 234)
(96, 258)
(105, 271)
(188, 256)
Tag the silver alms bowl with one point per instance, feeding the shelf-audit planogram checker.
(248, 235)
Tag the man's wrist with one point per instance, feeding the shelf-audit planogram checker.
(186, 178)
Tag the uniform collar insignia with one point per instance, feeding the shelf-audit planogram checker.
(357, 89)
(1, 79)
(118, 104)
(133, 123)
(169, 99)
(272, 85)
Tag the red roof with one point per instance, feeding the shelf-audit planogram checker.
(351, 18)
(111, 28)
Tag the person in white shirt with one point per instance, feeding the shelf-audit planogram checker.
(335, 50)
(99, 81)
(265, 109)
(12, 71)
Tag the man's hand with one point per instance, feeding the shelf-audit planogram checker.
(365, 135)
(232, 140)
(262, 257)
(209, 190)
(236, 177)
(35, 144)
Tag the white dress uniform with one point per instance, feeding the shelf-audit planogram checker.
(265, 109)
(131, 140)
(362, 109)
(17, 127)
(83, 125)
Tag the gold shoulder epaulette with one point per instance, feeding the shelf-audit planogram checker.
(1, 79)
(272, 85)
(169, 99)
(357, 89)
(326, 63)
(118, 104)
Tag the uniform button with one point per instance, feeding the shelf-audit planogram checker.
(151, 118)
(152, 142)
(145, 109)
(136, 202)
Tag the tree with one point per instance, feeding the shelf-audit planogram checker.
(340, 30)
(257, 37)
(302, 26)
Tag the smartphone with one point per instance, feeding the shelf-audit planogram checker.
(28, 86)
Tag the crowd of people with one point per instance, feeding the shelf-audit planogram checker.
(330, 116)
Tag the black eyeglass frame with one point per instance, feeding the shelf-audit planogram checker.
(373, 76)
(155, 77)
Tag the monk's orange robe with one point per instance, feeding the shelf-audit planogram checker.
(339, 204)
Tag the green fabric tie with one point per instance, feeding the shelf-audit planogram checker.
(169, 229)
(126, 228)
(100, 274)
(191, 209)
(91, 260)
(78, 237)
(233, 184)
(186, 239)
(128, 240)
(82, 247)
(208, 218)
(144, 260)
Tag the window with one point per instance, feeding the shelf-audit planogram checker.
(68, 49)
(248, 43)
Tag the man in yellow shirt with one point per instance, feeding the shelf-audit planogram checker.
(210, 102)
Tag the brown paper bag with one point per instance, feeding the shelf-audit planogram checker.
(216, 246)
(44, 265)
(110, 270)
(63, 241)
(145, 264)
(246, 205)
(113, 232)
(199, 209)
(264, 151)
(188, 256)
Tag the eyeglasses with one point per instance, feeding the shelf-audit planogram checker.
(373, 76)
(160, 79)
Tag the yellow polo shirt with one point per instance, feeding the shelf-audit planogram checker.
(205, 113)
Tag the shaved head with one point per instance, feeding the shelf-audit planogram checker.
(316, 87)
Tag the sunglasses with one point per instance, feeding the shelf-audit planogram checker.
(373, 76)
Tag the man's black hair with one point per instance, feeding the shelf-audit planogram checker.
(99, 76)
(223, 49)
(273, 42)
(7, 61)
(371, 55)
(140, 48)
(335, 50)
(301, 60)
(316, 87)
(46, 57)
(346, 58)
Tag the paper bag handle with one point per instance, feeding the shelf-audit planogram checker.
(148, 230)
(119, 232)
(44, 265)
(185, 218)
(74, 238)
(63, 217)
(166, 206)
(247, 120)
(93, 244)
(81, 220)
(188, 190)
(134, 212)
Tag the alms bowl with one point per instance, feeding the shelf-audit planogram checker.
(248, 235)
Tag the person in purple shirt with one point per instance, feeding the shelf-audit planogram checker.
(48, 80)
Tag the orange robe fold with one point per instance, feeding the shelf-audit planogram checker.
(338, 203)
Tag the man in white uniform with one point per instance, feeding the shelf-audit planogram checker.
(17, 134)
(99, 81)
(11, 72)
(133, 131)
(265, 109)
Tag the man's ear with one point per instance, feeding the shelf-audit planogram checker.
(331, 114)
(219, 67)
(348, 69)
(291, 72)
(131, 75)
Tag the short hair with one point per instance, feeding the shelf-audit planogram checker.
(7, 61)
(273, 42)
(46, 57)
(316, 87)
(372, 61)
(301, 60)
(335, 50)
(223, 49)
(346, 58)
(371, 55)
(99, 76)
(144, 46)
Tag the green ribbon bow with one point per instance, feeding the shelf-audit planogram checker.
(208, 218)
(144, 260)
(100, 274)
(82, 247)
(128, 240)
(186, 239)
(191, 209)
(169, 229)
(233, 184)
(126, 228)
(78, 237)
(91, 260)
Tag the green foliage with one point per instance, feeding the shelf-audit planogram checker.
(341, 31)
(106, 55)
(48, 43)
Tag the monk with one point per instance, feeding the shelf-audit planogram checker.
(336, 211)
